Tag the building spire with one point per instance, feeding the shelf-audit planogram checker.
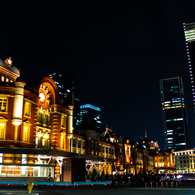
(145, 133)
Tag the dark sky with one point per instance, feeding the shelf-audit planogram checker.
(120, 49)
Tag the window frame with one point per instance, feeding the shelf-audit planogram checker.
(63, 135)
(63, 121)
(25, 106)
(27, 125)
(6, 107)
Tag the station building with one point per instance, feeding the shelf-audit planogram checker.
(146, 157)
(36, 133)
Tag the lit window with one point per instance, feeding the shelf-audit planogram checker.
(7, 80)
(2, 78)
(62, 140)
(47, 119)
(169, 131)
(2, 130)
(63, 121)
(26, 131)
(46, 140)
(182, 143)
(27, 107)
(26, 134)
(3, 104)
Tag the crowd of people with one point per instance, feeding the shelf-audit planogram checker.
(125, 179)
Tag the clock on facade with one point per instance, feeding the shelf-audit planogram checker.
(42, 97)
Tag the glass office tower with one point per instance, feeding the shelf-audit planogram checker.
(189, 32)
(69, 90)
(92, 113)
(174, 114)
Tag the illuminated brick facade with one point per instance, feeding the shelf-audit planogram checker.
(36, 128)
(37, 137)
(146, 157)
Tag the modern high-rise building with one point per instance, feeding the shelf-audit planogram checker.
(92, 113)
(69, 92)
(189, 32)
(174, 114)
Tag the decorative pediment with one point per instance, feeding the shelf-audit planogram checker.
(63, 132)
(27, 122)
(2, 118)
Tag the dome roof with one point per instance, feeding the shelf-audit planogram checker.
(9, 67)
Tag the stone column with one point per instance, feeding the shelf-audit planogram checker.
(70, 119)
(76, 145)
(81, 146)
(18, 107)
(70, 126)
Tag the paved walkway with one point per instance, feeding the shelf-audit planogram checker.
(111, 191)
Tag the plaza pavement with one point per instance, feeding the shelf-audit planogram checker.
(100, 191)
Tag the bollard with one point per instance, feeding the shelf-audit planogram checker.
(150, 184)
(172, 184)
(30, 184)
(161, 183)
(156, 184)
(146, 184)
(166, 184)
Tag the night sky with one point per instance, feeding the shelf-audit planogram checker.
(120, 49)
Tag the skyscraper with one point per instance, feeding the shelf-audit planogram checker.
(92, 113)
(174, 114)
(69, 92)
(189, 32)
